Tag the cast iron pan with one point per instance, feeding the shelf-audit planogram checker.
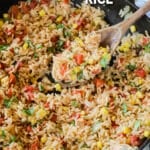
(112, 18)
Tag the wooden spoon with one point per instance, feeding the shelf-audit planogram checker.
(112, 36)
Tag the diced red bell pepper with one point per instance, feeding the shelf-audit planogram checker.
(96, 71)
(45, 1)
(79, 58)
(9, 92)
(99, 82)
(66, 1)
(63, 68)
(29, 88)
(55, 38)
(54, 118)
(33, 4)
(12, 78)
(34, 146)
(25, 8)
(140, 73)
(14, 10)
(2, 66)
(134, 140)
(29, 128)
(1, 120)
(46, 105)
(145, 41)
(81, 92)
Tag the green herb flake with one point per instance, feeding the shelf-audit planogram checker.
(39, 46)
(3, 134)
(12, 139)
(51, 49)
(29, 111)
(80, 75)
(124, 108)
(36, 55)
(74, 103)
(85, 146)
(3, 47)
(137, 124)
(131, 67)
(60, 26)
(59, 45)
(7, 103)
(41, 88)
(147, 48)
(73, 123)
(67, 33)
(30, 43)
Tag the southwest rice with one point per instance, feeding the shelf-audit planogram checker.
(36, 113)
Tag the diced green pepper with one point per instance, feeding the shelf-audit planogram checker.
(28, 111)
(3, 47)
(147, 48)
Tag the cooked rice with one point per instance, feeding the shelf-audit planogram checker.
(110, 111)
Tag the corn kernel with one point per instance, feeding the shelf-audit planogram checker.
(19, 16)
(43, 139)
(58, 87)
(65, 108)
(82, 113)
(147, 122)
(41, 113)
(73, 77)
(59, 19)
(25, 45)
(76, 70)
(77, 11)
(90, 62)
(104, 111)
(140, 81)
(139, 94)
(74, 26)
(113, 118)
(126, 130)
(147, 134)
(133, 28)
(1, 23)
(125, 47)
(52, 26)
(79, 41)
(103, 49)
(5, 16)
(110, 83)
(134, 100)
(99, 145)
(32, 120)
(42, 13)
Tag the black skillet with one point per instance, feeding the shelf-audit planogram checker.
(112, 18)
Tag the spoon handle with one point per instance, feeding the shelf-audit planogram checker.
(134, 17)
